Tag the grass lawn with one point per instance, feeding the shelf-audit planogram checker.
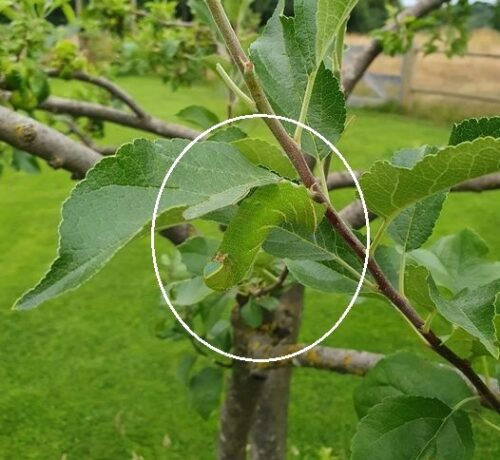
(85, 375)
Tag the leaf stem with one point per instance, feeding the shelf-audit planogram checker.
(465, 401)
(486, 370)
(486, 421)
(311, 80)
(234, 87)
(379, 235)
(339, 49)
(401, 277)
(324, 166)
(429, 320)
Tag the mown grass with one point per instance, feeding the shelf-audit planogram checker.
(85, 374)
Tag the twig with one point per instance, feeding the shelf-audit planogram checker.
(278, 284)
(73, 128)
(107, 85)
(296, 157)
(100, 112)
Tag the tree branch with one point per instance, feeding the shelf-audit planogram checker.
(352, 76)
(58, 150)
(100, 112)
(107, 85)
(353, 213)
(340, 360)
(61, 105)
(73, 128)
(338, 180)
(296, 157)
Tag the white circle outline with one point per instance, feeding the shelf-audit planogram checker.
(153, 249)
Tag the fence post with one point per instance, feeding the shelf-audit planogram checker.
(407, 73)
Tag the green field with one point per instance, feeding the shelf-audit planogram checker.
(85, 375)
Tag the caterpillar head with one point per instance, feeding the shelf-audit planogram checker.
(219, 273)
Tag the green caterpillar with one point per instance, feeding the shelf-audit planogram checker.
(268, 207)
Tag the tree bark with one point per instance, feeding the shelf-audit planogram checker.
(256, 403)
(242, 396)
(269, 430)
(58, 150)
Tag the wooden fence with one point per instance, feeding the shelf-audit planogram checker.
(385, 87)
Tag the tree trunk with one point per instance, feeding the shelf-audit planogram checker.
(258, 401)
(270, 426)
(242, 396)
(237, 414)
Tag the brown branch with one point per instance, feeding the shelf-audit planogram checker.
(100, 112)
(296, 157)
(354, 74)
(58, 150)
(107, 85)
(340, 360)
(61, 105)
(354, 214)
(73, 128)
(277, 285)
(337, 180)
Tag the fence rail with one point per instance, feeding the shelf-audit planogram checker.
(378, 83)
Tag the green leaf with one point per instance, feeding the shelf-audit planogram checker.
(320, 276)
(389, 189)
(269, 303)
(473, 128)
(252, 314)
(471, 309)
(189, 292)
(389, 260)
(459, 261)
(262, 153)
(417, 280)
(268, 207)
(115, 202)
(23, 161)
(230, 134)
(413, 428)
(184, 368)
(286, 47)
(317, 260)
(414, 225)
(322, 245)
(198, 116)
(408, 374)
(196, 252)
(205, 389)
(330, 17)
(474, 311)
